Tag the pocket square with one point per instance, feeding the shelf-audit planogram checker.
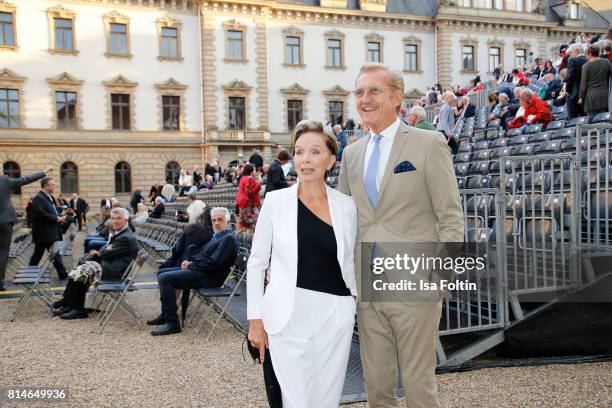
(404, 167)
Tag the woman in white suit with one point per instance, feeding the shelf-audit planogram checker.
(306, 234)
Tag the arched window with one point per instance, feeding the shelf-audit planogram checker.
(173, 172)
(12, 170)
(69, 178)
(123, 178)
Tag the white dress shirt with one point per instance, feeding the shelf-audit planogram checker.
(385, 144)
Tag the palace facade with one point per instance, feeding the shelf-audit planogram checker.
(117, 94)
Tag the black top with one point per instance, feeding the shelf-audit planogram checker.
(318, 267)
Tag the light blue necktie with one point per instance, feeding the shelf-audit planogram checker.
(372, 172)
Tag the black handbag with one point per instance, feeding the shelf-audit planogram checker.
(273, 390)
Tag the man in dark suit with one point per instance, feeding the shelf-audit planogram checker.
(114, 258)
(572, 81)
(275, 177)
(553, 88)
(80, 208)
(256, 159)
(159, 208)
(46, 222)
(208, 268)
(8, 217)
(468, 108)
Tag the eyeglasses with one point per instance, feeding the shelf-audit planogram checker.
(372, 91)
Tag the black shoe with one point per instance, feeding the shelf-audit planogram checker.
(74, 314)
(167, 329)
(62, 310)
(59, 304)
(158, 321)
(2, 289)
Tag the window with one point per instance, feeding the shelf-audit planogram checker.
(234, 45)
(118, 39)
(467, 3)
(574, 11)
(120, 106)
(468, 58)
(9, 108)
(520, 5)
(494, 55)
(499, 4)
(173, 172)
(520, 57)
(373, 52)
(236, 112)
(294, 113)
(65, 106)
(12, 170)
(292, 51)
(410, 58)
(336, 111)
(63, 34)
(7, 27)
(334, 52)
(171, 111)
(488, 4)
(123, 178)
(169, 46)
(69, 178)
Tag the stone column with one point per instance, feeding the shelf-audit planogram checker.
(261, 60)
(444, 54)
(209, 68)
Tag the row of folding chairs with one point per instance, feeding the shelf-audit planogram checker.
(157, 239)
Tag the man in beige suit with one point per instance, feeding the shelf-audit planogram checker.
(404, 185)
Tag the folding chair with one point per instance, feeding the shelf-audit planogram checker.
(228, 290)
(36, 279)
(116, 293)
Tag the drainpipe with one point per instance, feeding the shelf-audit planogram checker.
(202, 131)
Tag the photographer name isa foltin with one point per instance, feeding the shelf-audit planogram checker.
(411, 265)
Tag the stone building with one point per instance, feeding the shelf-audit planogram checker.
(117, 94)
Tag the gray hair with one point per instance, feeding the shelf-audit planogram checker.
(337, 127)
(158, 200)
(502, 95)
(418, 111)
(517, 90)
(223, 210)
(526, 91)
(396, 80)
(449, 94)
(465, 98)
(121, 211)
(581, 48)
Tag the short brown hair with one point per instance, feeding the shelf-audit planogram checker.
(306, 126)
(283, 155)
(593, 50)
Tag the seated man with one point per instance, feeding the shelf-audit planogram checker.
(159, 208)
(101, 235)
(208, 268)
(113, 259)
(553, 87)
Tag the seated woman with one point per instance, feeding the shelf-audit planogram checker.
(196, 235)
(306, 234)
(142, 213)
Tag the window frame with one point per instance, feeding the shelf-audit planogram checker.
(71, 106)
(75, 171)
(172, 173)
(61, 13)
(120, 85)
(11, 9)
(8, 101)
(229, 112)
(415, 42)
(169, 22)
(124, 176)
(121, 106)
(234, 26)
(292, 112)
(111, 18)
(335, 35)
(66, 83)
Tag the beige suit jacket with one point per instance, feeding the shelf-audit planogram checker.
(416, 206)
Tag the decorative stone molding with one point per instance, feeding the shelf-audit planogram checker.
(233, 25)
(522, 45)
(293, 31)
(171, 87)
(377, 6)
(339, 94)
(238, 88)
(6, 7)
(375, 38)
(209, 72)
(120, 85)
(61, 12)
(169, 22)
(333, 3)
(472, 42)
(294, 92)
(496, 43)
(65, 82)
(10, 80)
(335, 35)
(118, 18)
(444, 56)
(261, 70)
(413, 40)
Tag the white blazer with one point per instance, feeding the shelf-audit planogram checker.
(275, 244)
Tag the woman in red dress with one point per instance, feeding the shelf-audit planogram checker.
(248, 200)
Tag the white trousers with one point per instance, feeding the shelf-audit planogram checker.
(310, 355)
